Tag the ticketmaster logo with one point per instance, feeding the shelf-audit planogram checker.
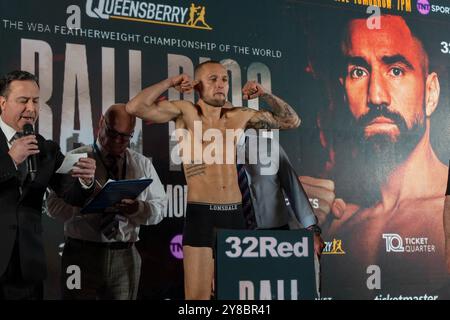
(131, 10)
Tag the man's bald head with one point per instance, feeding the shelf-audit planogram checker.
(116, 129)
(118, 114)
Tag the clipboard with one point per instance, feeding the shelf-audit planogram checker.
(113, 192)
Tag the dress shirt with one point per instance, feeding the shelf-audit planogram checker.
(7, 131)
(152, 201)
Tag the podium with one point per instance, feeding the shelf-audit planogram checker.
(265, 265)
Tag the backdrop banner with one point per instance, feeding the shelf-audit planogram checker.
(369, 79)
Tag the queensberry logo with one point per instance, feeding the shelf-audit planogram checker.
(193, 16)
(423, 6)
(333, 247)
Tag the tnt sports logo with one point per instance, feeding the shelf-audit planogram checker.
(395, 243)
(423, 6)
(193, 16)
(176, 246)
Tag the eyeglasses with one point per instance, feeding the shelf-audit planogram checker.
(114, 133)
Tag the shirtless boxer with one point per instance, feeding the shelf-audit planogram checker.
(214, 197)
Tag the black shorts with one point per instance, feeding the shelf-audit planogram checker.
(203, 220)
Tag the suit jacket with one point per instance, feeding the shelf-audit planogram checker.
(272, 179)
(20, 214)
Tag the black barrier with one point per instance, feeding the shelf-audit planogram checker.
(265, 265)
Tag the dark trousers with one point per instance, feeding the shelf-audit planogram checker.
(107, 272)
(12, 284)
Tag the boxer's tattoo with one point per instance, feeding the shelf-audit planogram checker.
(282, 116)
(192, 170)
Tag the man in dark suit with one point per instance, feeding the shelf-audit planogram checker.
(22, 257)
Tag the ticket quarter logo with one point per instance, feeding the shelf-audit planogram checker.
(193, 16)
(396, 243)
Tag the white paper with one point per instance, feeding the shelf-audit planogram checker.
(69, 162)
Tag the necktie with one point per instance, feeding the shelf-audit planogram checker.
(109, 224)
(247, 207)
(112, 163)
(22, 168)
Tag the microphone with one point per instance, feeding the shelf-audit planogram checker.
(32, 159)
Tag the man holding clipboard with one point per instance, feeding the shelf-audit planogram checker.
(101, 240)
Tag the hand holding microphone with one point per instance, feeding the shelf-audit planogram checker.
(24, 148)
(28, 130)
